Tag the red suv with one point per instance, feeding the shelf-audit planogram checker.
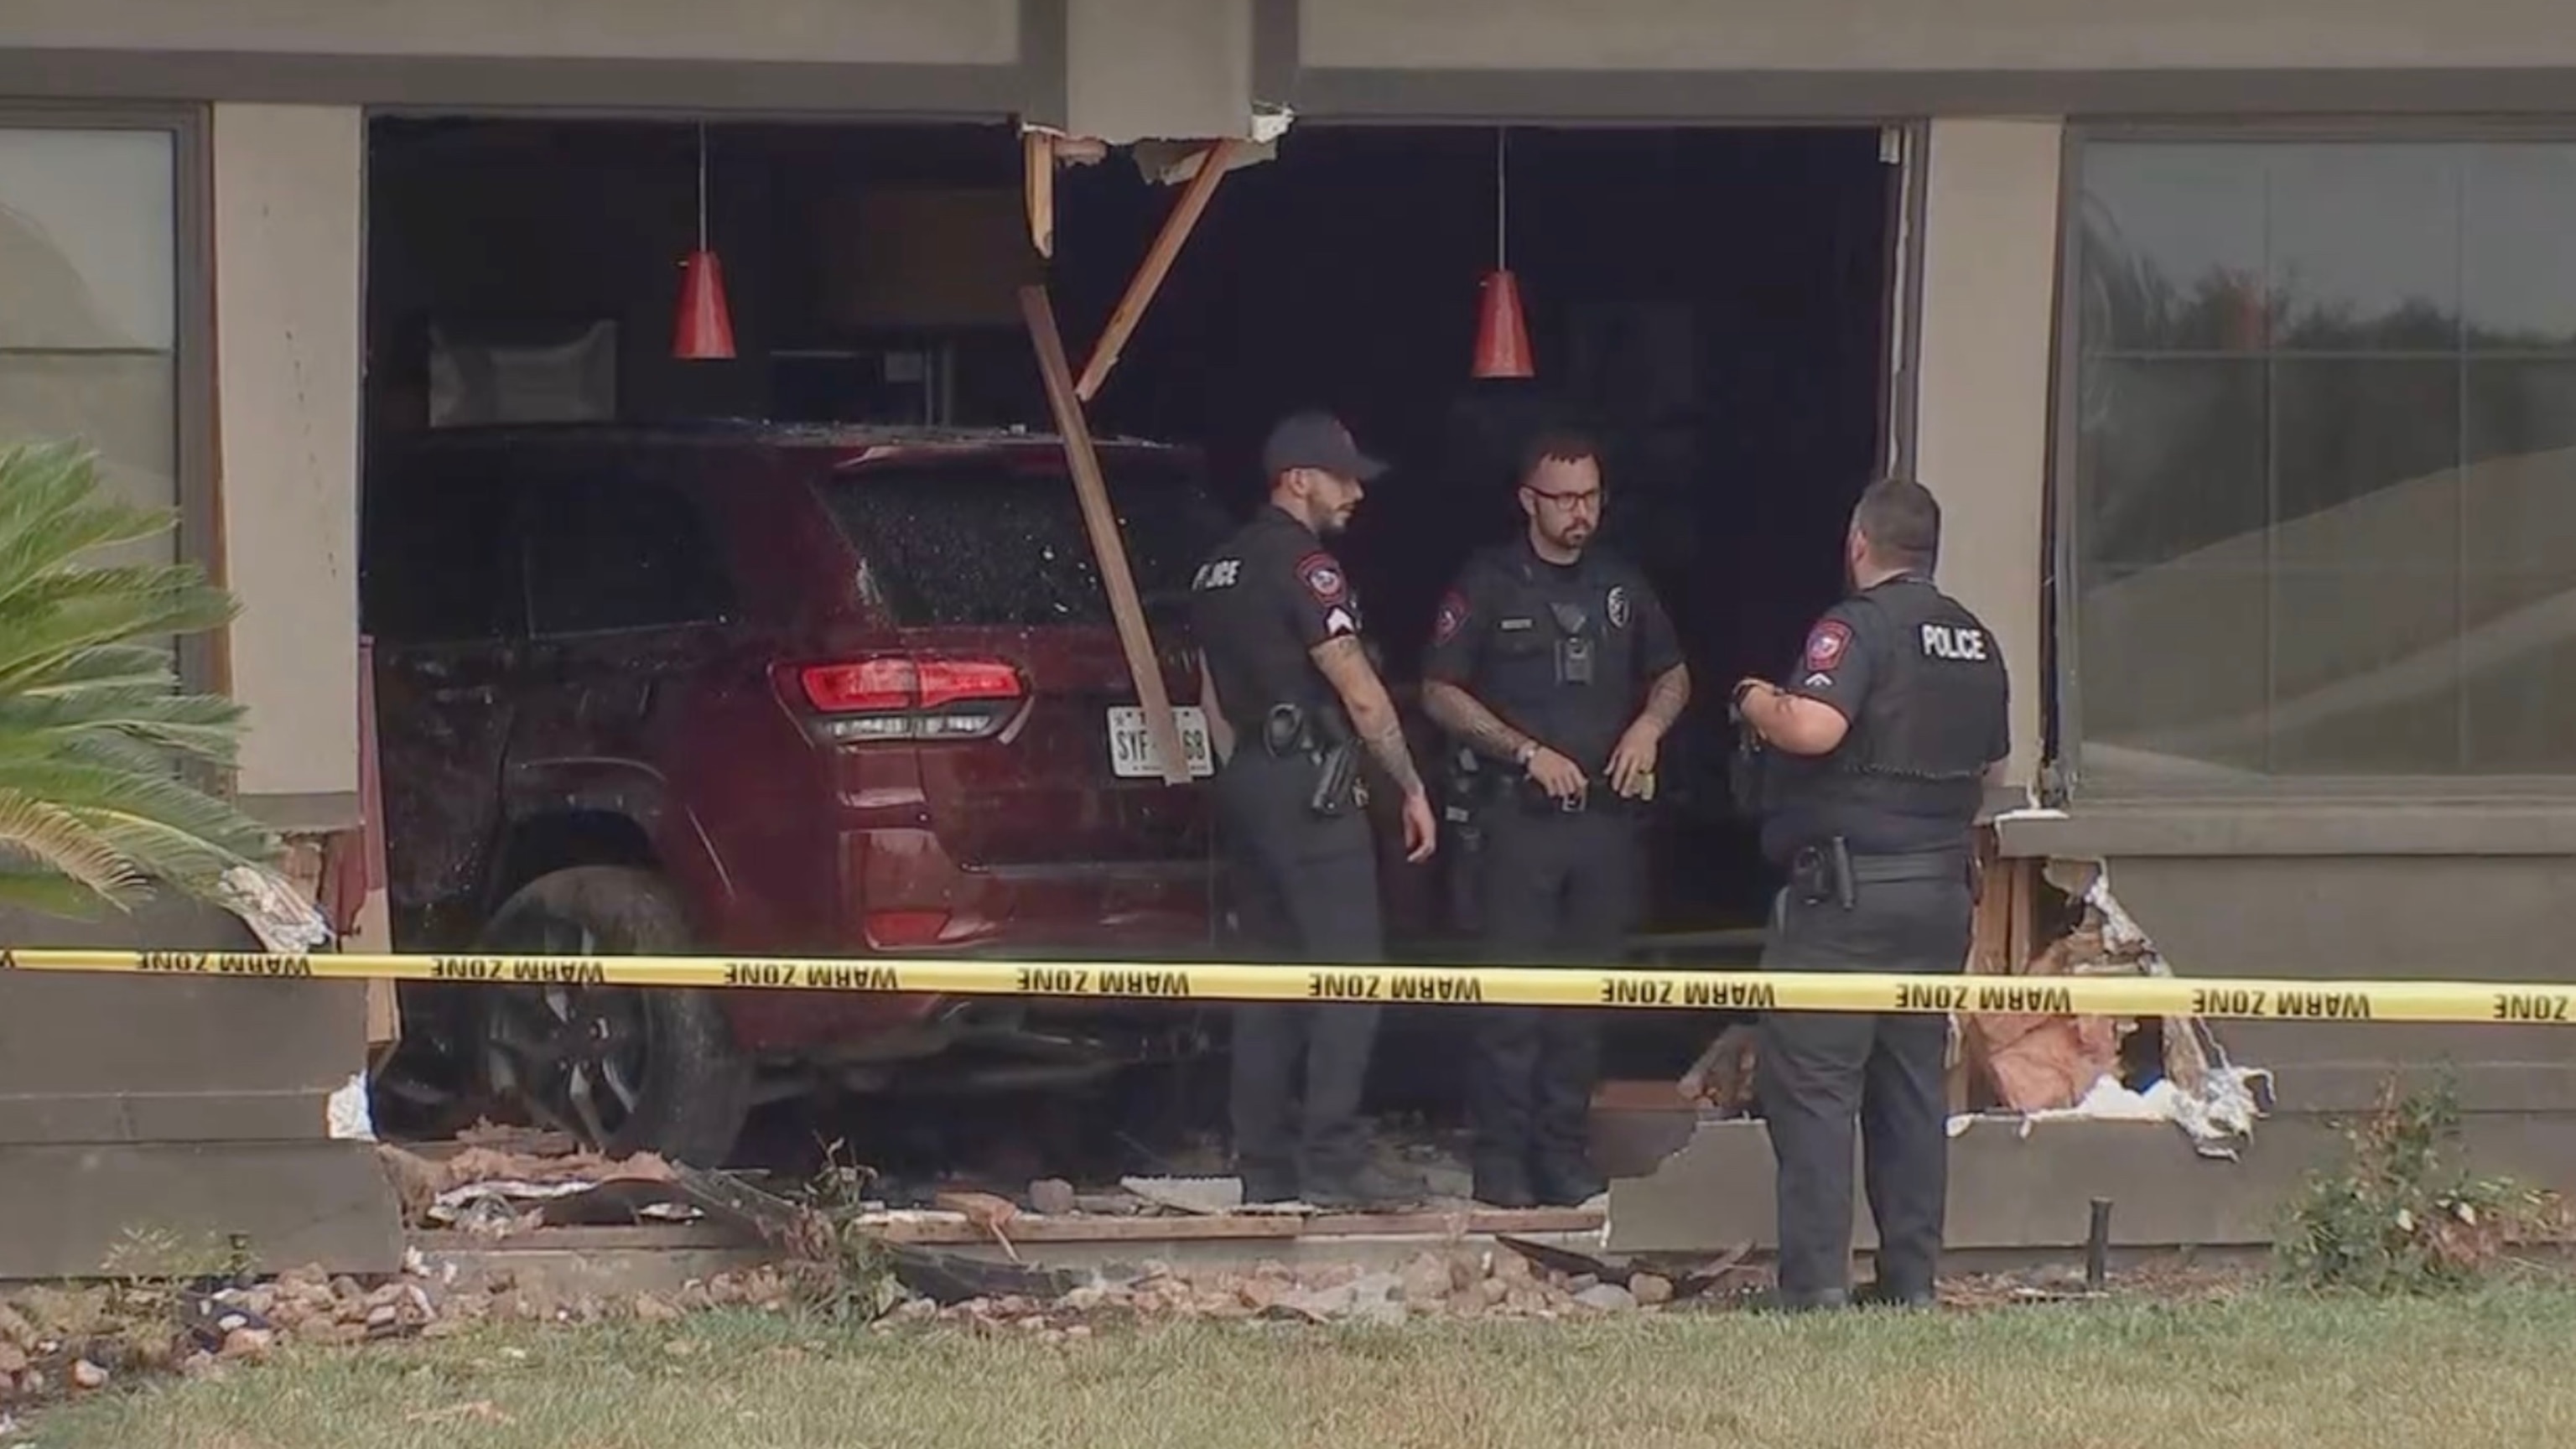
(767, 689)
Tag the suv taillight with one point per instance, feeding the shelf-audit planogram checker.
(909, 698)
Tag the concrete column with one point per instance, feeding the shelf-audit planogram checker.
(288, 200)
(1990, 243)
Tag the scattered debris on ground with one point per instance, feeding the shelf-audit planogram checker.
(496, 1182)
(511, 1187)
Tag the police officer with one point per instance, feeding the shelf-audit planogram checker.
(1875, 755)
(1554, 662)
(1293, 703)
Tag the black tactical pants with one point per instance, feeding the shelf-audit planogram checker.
(1305, 889)
(1818, 1071)
(1554, 888)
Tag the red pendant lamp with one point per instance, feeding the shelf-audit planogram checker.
(704, 330)
(1502, 333)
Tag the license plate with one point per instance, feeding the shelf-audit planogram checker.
(1131, 746)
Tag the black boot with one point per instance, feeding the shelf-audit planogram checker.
(1567, 1184)
(1268, 1187)
(1882, 1295)
(1366, 1189)
(1504, 1185)
(1822, 1300)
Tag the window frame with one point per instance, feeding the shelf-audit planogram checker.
(2063, 712)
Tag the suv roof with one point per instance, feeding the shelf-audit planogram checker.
(753, 432)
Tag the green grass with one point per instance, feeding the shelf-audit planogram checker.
(2488, 1370)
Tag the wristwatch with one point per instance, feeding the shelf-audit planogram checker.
(1527, 752)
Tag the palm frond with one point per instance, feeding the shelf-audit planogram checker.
(93, 723)
(51, 895)
(89, 790)
(50, 513)
(35, 832)
(110, 664)
(33, 643)
(162, 850)
(193, 726)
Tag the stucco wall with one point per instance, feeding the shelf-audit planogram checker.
(1828, 35)
(956, 32)
(287, 215)
(1158, 68)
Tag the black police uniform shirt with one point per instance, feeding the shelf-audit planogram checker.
(1502, 627)
(1259, 604)
(1922, 681)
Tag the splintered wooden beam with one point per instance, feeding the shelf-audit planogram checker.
(1091, 488)
(1037, 152)
(1158, 264)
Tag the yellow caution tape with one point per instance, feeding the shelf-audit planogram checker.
(2446, 1001)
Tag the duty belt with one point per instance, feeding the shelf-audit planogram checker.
(1829, 871)
(1947, 863)
(1532, 798)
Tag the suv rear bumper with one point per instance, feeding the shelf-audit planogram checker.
(902, 895)
(901, 891)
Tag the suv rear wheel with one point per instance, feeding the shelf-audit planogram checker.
(622, 1069)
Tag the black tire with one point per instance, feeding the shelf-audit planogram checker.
(678, 1084)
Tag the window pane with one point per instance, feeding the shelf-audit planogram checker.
(620, 554)
(2521, 282)
(2171, 508)
(2173, 248)
(438, 563)
(2366, 581)
(2345, 555)
(2520, 649)
(88, 309)
(2365, 252)
(121, 404)
(977, 542)
(87, 237)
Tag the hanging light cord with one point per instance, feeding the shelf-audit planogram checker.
(702, 186)
(1502, 191)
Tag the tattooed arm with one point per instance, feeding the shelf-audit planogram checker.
(1345, 665)
(1465, 716)
(1372, 712)
(1666, 700)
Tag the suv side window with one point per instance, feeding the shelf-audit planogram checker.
(435, 566)
(608, 551)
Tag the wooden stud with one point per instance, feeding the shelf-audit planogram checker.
(1091, 490)
(1157, 265)
(1037, 152)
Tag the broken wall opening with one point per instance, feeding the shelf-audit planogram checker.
(1712, 303)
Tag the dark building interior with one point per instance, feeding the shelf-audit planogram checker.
(1712, 303)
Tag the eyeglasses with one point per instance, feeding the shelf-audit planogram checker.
(1587, 498)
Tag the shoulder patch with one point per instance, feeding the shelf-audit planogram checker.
(1826, 644)
(1322, 576)
(1618, 606)
(1451, 618)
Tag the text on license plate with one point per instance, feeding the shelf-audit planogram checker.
(1131, 745)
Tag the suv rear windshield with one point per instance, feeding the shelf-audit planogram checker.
(995, 542)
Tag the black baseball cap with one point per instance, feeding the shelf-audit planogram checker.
(1317, 440)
